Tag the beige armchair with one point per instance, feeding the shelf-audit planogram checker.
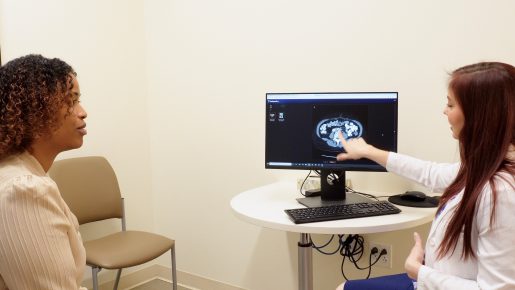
(90, 188)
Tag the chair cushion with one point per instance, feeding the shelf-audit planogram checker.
(126, 249)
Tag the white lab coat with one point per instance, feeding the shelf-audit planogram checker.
(494, 245)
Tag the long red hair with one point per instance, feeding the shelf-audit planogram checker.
(486, 94)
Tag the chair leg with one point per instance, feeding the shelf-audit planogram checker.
(94, 276)
(118, 274)
(174, 269)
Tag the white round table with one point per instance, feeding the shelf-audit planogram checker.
(264, 206)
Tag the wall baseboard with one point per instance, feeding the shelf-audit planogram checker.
(185, 279)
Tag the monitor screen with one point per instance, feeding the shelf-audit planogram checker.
(302, 128)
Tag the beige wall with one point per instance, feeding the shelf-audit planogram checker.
(103, 41)
(213, 62)
(175, 95)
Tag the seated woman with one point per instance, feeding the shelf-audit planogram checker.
(40, 116)
(471, 244)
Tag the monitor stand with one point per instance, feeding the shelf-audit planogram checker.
(332, 191)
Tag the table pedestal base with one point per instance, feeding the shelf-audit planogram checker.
(305, 262)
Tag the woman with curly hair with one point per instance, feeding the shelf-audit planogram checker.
(40, 116)
(471, 244)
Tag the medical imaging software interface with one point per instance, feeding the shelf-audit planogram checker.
(302, 128)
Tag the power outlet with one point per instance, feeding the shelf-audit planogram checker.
(385, 260)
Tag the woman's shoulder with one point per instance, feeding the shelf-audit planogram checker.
(23, 173)
(501, 192)
(504, 182)
(28, 185)
(32, 196)
(18, 182)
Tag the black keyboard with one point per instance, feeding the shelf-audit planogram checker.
(345, 211)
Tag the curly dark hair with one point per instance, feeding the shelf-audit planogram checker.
(32, 91)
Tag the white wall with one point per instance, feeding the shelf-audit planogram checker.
(175, 94)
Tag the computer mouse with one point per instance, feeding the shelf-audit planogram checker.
(413, 196)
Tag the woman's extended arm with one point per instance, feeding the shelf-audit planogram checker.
(436, 176)
(357, 148)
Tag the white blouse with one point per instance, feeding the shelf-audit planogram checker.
(493, 245)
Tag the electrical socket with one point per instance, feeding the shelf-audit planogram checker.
(385, 260)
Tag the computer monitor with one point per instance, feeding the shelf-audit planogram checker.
(302, 133)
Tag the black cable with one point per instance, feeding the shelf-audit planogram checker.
(351, 247)
(347, 252)
(319, 248)
(357, 243)
(370, 263)
(348, 189)
(302, 185)
(341, 268)
(305, 179)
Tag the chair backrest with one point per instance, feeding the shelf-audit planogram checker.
(89, 186)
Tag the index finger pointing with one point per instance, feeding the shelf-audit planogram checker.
(342, 139)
